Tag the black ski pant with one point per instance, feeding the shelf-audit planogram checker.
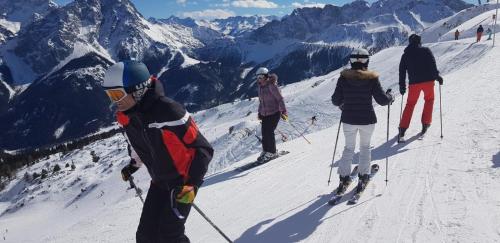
(158, 222)
(269, 124)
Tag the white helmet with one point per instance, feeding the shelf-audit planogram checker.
(262, 71)
(359, 55)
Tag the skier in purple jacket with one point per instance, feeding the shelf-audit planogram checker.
(271, 108)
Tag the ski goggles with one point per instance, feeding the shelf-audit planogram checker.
(116, 94)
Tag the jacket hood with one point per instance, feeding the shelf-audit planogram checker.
(352, 74)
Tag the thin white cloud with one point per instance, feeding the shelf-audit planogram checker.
(308, 5)
(254, 4)
(209, 14)
(183, 2)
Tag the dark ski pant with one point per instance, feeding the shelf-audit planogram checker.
(158, 222)
(269, 124)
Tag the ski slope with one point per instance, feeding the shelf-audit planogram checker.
(466, 22)
(439, 190)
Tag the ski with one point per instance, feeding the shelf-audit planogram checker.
(355, 198)
(337, 196)
(258, 163)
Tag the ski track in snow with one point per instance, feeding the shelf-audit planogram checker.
(439, 190)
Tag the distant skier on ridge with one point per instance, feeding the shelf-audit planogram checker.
(163, 136)
(422, 71)
(479, 32)
(353, 95)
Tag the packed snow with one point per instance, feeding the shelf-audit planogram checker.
(439, 190)
(466, 22)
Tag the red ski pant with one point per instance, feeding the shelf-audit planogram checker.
(413, 94)
(479, 35)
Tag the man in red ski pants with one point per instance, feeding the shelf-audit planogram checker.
(422, 71)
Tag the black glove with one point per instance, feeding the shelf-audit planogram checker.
(341, 106)
(402, 90)
(128, 170)
(440, 80)
(390, 95)
(259, 116)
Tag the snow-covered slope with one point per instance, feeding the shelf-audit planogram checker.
(23, 12)
(466, 22)
(200, 66)
(438, 191)
(8, 29)
(239, 26)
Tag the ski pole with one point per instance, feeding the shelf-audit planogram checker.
(313, 119)
(288, 121)
(138, 191)
(401, 111)
(334, 151)
(211, 223)
(251, 132)
(284, 137)
(440, 111)
(387, 142)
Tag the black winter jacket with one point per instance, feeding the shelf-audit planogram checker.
(354, 92)
(420, 64)
(480, 29)
(166, 139)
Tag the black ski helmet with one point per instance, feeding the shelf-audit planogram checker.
(415, 39)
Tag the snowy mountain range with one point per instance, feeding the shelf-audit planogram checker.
(202, 64)
(438, 189)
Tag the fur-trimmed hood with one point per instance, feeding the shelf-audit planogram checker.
(271, 79)
(356, 74)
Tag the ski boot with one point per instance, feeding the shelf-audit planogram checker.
(345, 181)
(269, 156)
(261, 156)
(363, 181)
(401, 135)
(424, 128)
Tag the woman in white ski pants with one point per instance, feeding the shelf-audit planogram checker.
(356, 88)
(365, 135)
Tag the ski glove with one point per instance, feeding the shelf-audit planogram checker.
(402, 90)
(259, 116)
(341, 106)
(284, 116)
(440, 80)
(128, 170)
(185, 194)
(390, 95)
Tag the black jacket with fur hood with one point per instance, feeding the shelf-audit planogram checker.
(354, 92)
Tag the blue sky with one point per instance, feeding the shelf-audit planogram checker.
(223, 8)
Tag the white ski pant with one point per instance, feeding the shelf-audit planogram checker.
(365, 153)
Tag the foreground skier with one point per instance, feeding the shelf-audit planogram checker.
(353, 94)
(164, 137)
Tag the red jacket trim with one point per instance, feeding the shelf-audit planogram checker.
(122, 118)
(181, 155)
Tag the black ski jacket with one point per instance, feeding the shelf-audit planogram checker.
(354, 92)
(420, 64)
(166, 139)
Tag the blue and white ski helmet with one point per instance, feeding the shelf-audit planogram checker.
(131, 75)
